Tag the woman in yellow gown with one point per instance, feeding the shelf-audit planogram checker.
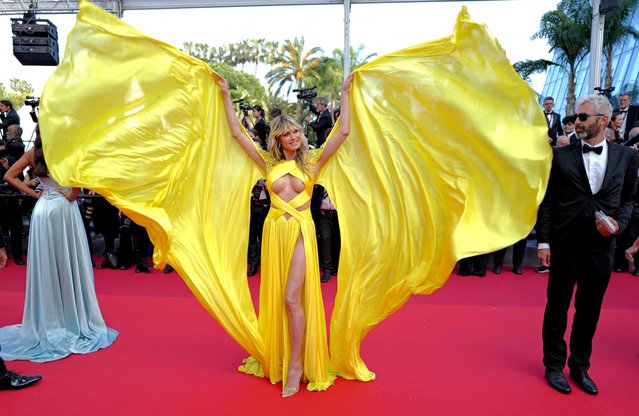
(295, 341)
(447, 158)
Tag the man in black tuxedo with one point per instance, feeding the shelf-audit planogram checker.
(631, 116)
(8, 116)
(586, 177)
(323, 124)
(8, 379)
(553, 120)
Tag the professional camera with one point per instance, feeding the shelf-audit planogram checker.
(607, 92)
(34, 102)
(243, 106)
(306, 94)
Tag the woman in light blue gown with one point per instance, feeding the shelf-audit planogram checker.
(61, 313)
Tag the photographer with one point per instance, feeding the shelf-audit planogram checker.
(323, 124)
(10, 209)
(8, 115)
(259, 124)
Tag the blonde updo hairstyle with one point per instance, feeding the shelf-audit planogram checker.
(280, 125)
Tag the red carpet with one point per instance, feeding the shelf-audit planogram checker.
(474, 347)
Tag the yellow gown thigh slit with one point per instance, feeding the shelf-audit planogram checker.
(279, 238)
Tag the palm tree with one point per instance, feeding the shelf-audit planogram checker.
(616, 29)
(293, 65)
(567, 32)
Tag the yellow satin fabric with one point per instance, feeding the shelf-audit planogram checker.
(447, 157)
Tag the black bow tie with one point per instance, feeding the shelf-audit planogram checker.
(623, 111)
(586, 149)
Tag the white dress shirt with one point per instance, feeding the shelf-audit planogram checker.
(595, 166)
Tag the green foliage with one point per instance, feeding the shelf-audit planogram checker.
(529, 67)
(292, 66)
(567, 31)
(242, 85)
(19, 90)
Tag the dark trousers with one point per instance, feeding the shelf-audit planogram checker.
(519, 251)
(475, 264)
(591, 273)
(106, 221)
(11, 221)
(134, 245)
(259, 211)
(330, 241)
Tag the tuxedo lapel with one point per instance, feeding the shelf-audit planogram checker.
(613, 161)
(578, 161)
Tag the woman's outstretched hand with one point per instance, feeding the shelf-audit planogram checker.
(223, 83)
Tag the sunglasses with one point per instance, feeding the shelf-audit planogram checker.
(584, 116)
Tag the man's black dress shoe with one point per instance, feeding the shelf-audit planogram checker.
(463, 273)
(497, 270)
(620, 270)
(636, 272)
(252, 271)
(479, 274)
(517, 270)
(557, 381)
(103, 265)
(168, 269)
(326, 277)
(584, 382)
(14, 381)
(19, 261)
(142, 267)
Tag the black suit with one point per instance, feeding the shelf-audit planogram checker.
(632, 120)
(9, 119)
(554, 126)
(322, 125)
(580, 255)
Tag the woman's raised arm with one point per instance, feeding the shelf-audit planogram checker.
(344, 124)
(236, 129)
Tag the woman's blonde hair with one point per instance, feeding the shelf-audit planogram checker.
(281, 125)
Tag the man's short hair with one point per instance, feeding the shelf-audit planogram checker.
(600, 102)
(549, 98)
(569, 119)
(323, 101)
(17, 128)
(7, 103)
(628, 93)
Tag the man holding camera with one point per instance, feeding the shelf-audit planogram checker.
(259, 124)
(323, 124)
(10, 210)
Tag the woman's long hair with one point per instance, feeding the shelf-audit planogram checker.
(39, 164)
(279, 126)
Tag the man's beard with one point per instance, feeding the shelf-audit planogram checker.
(589, 132)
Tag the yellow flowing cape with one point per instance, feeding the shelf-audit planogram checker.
(447, 158)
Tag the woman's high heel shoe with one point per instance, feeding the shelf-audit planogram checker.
(290, 390)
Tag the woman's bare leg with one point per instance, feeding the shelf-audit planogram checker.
(296, 321)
